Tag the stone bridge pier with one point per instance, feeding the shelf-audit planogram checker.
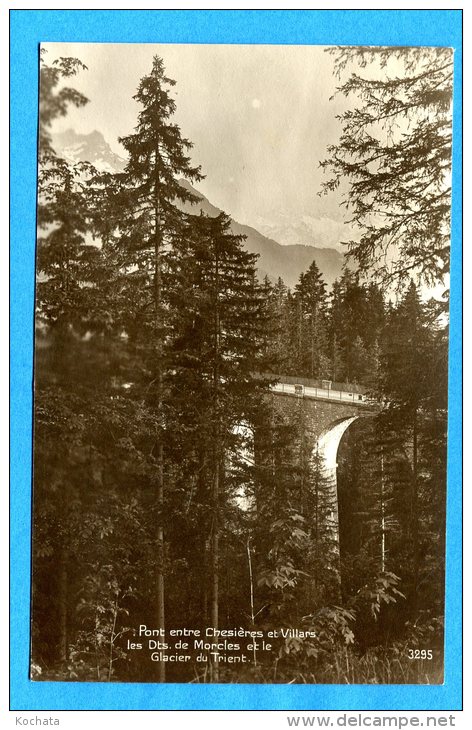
(324, 422)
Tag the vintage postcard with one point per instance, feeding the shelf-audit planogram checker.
(241, 364)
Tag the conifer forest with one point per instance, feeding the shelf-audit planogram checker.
(183, 524)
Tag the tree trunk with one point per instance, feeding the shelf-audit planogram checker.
(414, 512)
(214, 593)
(335, 355)
(299, 367)
(382, 514)
(160, 559)
(160, 587)
(62, 605)
(215, 564)
(303, 456)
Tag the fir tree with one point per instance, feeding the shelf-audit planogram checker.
(65, 301)
(394, 153)
(406, 383)
(217, 318)
(149, 193)
(54, 99)
(311, 292)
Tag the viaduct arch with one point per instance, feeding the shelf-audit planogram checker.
(325, 414)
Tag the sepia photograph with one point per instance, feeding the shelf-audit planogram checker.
(241, 364)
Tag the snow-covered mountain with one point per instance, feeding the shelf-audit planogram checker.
(88, 148)
(307, 230)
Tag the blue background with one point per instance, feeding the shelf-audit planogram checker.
(328, 27)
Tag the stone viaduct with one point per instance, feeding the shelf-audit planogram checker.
(326, 411)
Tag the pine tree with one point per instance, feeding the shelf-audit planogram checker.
(65, 301)
(407, 385)
(394, 153)
(323, 553)
(54, 99)
(311, 293)
(280, 525)
(278, 325)
(355, 321)
(149, 194)
(335, 353)
(67, 264)
(217, 317)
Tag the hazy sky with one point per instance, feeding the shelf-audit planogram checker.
(259, 117)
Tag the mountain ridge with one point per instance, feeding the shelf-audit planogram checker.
(90, 147)
(275, 260)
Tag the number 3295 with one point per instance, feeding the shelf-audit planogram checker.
(420, 653)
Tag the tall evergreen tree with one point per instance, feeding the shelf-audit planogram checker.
(278, 332)
(408, 359)
(394, 155)
(65, 298)
(149, 215)
(218, 326)
(311, 293)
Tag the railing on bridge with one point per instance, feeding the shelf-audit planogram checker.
(323, 384)
(323, 389)
(305, 391)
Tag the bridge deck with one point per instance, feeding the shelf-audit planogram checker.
(305, 391)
